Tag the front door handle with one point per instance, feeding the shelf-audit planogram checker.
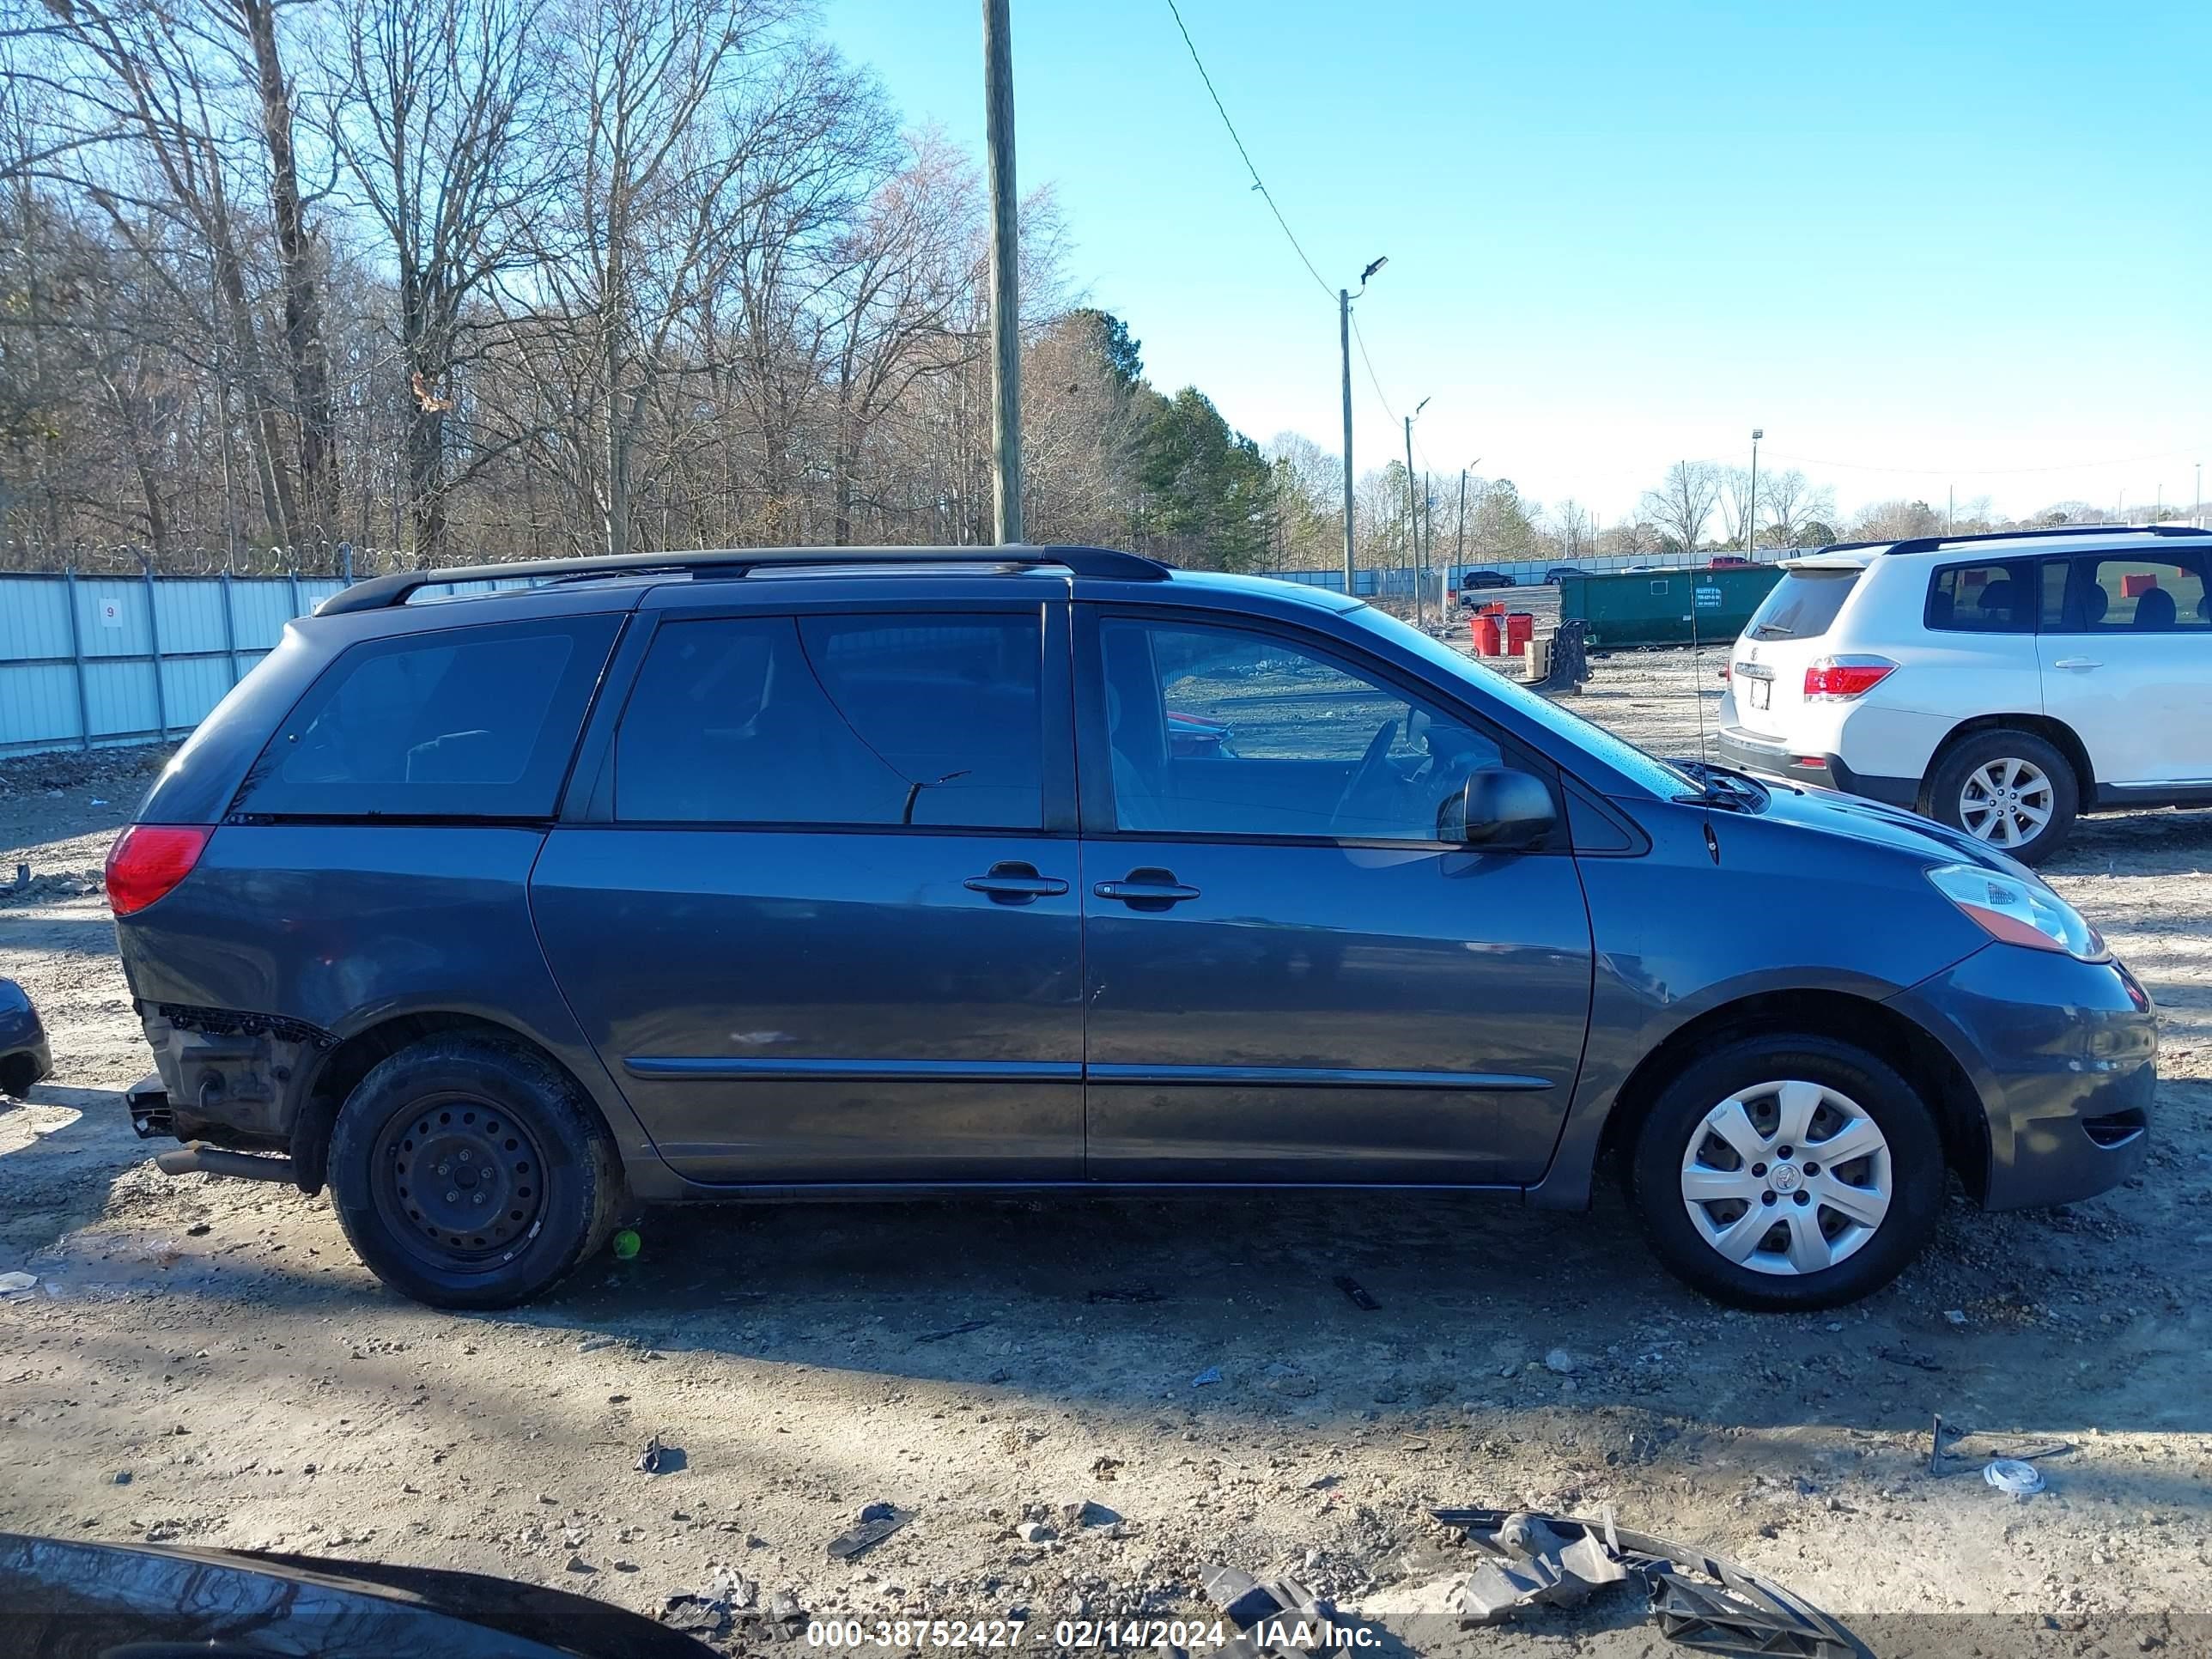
(2078, 662)
(1146, 888)
(1013, 882)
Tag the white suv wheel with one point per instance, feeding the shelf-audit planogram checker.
(2007, 802)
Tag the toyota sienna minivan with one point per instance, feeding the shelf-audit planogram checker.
(826, 874)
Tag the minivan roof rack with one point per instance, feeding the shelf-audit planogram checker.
(379, 593)
(1931, 544)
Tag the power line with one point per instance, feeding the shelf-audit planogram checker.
(1374, 379)
(1258, 182)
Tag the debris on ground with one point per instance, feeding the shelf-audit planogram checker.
(16, 1283)
(659, 1458)
(627, 1244)
(876, 1522)
(2010, 1474)
(1035, 1532)
(1561, 1362)
(1207, 1377)
(961, 1329)
(1360, 1297)
(1699, 1601)
(1122, 1293)
(1270, 1616)
(1942, 1461)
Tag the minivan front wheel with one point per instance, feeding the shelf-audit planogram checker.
(467, 1174)
(2009, 788)
(1788, 1172)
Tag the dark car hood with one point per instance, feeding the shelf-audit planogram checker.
(71, 1600)
(1892, 827)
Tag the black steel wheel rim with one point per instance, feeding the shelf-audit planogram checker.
(460, 1181)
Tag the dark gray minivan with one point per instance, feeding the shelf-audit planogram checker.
(824, 873)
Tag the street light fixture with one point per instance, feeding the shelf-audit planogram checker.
(1344, 298)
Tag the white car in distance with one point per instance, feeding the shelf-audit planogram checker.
(1999, 684)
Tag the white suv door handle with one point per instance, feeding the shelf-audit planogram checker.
(2077, 662)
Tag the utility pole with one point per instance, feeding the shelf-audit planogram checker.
(1344, 299)
(1412, 524)
(1751, 504)
(1344, 340)
(1006, 278)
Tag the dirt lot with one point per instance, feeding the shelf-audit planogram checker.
(204, 1362)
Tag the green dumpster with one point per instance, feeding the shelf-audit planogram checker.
(1627, 607)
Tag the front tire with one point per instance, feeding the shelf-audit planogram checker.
(1788, 1172)
(2009, 788)
(468, 1173)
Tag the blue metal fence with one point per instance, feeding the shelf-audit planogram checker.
(89, 662)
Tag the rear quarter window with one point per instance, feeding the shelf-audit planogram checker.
(463, 723)
(1985, 598)
(1802, 604)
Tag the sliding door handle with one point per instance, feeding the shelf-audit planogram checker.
(1015, 882)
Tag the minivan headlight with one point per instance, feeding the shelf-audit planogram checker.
(2018, 910)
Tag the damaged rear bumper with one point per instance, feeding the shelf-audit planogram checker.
(224, 1079)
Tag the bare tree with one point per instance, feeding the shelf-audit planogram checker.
(1790, 503)
(437, 121)
(1571, 523)
(1683, 505)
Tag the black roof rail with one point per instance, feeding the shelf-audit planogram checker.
(379, 592)
(1931, 544)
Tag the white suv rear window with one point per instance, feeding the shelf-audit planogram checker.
(1802, 604)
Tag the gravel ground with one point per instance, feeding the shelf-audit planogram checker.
(984, 1365)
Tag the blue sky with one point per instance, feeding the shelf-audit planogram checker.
(1923, 245)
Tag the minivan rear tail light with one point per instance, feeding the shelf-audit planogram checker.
(148, 860)
(1837, 679)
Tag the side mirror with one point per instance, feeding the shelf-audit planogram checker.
(1500, 811)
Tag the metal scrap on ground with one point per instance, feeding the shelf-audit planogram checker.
(1700, 1600)
(877, 1523)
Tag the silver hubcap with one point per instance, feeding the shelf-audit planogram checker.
(2008, 802)
(1786, 1178)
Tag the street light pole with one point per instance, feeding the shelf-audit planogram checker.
(1751, 505)
(1344, 299)
(1006, 293)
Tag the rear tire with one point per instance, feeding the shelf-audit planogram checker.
(1996, 783)
(1804, 1235)
(467, 1172)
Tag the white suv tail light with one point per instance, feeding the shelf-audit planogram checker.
(1839, 679)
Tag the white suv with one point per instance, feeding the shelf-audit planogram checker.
(1998, 683)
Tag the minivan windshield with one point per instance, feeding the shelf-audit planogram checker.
(1624, 756)
(1802, 604)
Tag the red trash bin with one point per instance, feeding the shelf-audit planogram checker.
(1520, 629)
(1484, 630)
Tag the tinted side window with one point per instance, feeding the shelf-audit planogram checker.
(2127, 594)
(1216, 731)
(465, 722)
(879, 721)
(1985, 598)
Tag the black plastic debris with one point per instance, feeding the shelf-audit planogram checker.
(1739, 1617)
(1122, 1293)
(657, 1458)
(700, 1615)
(1357, 1292)
(1700, 1602)
(1271, 1616)
(961, 1329)
(878, 1521)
